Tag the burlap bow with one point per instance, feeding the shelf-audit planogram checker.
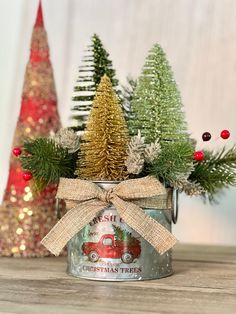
(88, 199)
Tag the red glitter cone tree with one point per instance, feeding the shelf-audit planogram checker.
(26, 218)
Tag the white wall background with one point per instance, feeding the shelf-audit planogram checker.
(199, 37)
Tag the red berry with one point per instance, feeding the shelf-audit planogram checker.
(199, 155)
(206, 136)
(225, 134)
(27, 175)
(16, 151)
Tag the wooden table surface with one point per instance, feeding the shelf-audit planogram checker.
(204, 282)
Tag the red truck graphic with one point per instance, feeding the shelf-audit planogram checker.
(109, 247)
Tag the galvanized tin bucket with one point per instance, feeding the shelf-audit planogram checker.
(108, 249)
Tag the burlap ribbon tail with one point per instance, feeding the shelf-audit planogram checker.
(88, 199)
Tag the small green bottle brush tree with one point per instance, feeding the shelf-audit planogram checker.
(156, 110)
(156, 107)
(96, 63)
(156, 141)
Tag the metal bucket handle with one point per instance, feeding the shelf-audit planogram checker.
(58, 210)
(175, 206)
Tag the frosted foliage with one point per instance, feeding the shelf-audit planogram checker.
(156, 106)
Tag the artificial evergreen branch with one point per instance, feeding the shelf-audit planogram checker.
(216, 171)
(47, 161)
(173, 162)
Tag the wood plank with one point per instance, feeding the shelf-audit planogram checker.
(198, 286)
(210, 253)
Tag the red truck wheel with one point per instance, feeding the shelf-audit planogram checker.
(127, 258)
(93, 256)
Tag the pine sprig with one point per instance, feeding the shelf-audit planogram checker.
(47, 161)
(175, 160)
(216, 171)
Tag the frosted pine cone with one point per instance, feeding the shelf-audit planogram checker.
(135, 152)
(136, 144)
(134, 164)
(190, 188)
(67, 138)
(151, 151)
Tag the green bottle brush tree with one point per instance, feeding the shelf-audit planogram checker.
(95, 64)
